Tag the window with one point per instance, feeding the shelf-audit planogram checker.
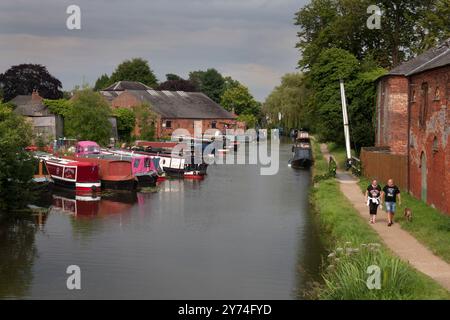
(437, 94)
(136, 163)
(435, 145)
(413, 96)
(214, 124)
(423, 105)
(168, 124)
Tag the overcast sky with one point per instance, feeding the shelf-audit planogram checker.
(251, 40)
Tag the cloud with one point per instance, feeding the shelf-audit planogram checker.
(252, 41)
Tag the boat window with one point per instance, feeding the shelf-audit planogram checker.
(136, 163)
(147, 162)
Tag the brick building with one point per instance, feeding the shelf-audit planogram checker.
(413, 122)
(175, 109)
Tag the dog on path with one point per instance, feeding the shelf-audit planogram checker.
(408, 214)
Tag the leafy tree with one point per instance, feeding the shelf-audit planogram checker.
(239, 100)
(230, 83)
(146, 121)
(102, 82)
(210, 82)
(136, 69)
(332, 66)
(88, 118)
(24, 78)
(171, 76)
(288, 99)
(178, 85)
(59, 106)
(249, 119)
(342, 24)
(126, 121)
(16, 164)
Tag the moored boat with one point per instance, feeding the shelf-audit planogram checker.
(73, 174)
(301, 152)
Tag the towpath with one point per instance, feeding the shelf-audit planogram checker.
(398, 240)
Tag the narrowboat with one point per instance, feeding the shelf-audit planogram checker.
(142, 166)
(302, 157)
(73, 174)
(177, 165)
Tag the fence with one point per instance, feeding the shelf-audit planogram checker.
(380, 164)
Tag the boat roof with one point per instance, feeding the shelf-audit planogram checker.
(87, 143)
(69, 162)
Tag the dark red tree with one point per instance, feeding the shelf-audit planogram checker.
(24, 78)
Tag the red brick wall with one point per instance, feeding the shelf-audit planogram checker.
(392, 114)
(422, 138)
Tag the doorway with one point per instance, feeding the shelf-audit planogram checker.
(423, 166)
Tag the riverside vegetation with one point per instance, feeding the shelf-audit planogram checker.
(354, 246)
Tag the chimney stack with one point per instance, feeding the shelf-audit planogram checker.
(35, 95)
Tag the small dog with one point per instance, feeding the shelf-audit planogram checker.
(408, 214)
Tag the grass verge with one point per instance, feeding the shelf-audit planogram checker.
(354, 247)
(429, 226)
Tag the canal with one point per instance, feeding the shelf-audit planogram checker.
(234, 235)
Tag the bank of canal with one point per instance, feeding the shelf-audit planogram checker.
(235, 235)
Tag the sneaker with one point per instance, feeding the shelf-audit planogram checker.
(390, 224)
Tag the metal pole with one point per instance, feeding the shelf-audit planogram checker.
(345, 119)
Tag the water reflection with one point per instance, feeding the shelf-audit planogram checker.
(17, 254)
(234, 235)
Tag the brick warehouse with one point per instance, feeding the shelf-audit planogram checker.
(413, 122)
(175, 109)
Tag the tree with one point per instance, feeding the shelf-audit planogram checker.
(239, 100)
(249, 119)
(331, 66)
(171, 76)
(178, 85)
(210, 82)
(60, 106)
(136, 69)
(288, 99)
(342, 24)
(102, 82)
(126, 121)
(146, 121)
(24, 78)
(16, 164)
(88, 118)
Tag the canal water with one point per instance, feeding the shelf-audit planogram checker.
(234, 235)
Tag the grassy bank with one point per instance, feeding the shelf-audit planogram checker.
(354, 246)
(429, 226)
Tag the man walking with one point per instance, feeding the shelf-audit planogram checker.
(389, 196)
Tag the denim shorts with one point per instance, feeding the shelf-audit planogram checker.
(391, 206)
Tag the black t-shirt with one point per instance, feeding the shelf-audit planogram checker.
(390, 193)
(374, 192)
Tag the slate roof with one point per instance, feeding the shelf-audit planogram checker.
(28, 107)
(431, 59)
(127, 85)
(170, 104)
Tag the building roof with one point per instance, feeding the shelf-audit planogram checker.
(431, 59)
(182, 105)
(170, 104)
(30, 107)
(127, 85)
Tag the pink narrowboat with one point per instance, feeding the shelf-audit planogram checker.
(143, 167)
(81, 176)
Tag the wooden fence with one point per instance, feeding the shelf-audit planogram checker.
(380, 164)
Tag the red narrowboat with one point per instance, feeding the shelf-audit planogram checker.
(81, 176)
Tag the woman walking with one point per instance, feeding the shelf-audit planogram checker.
(373, 198)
